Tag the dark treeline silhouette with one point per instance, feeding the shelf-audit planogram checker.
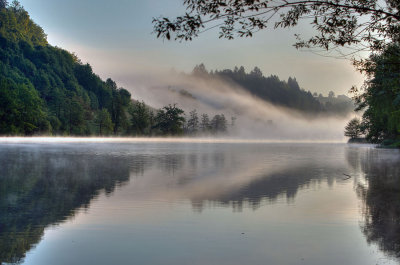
(171, 120)
(198, 125)
(279, 92)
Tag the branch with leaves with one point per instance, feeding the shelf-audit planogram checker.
(338, 23)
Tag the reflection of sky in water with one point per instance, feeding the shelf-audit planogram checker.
(180, 203)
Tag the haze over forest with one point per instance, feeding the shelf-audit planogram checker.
(67, 98)
(199, 150)
(117, 40)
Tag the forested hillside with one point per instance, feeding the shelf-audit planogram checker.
(280, 92)
(47, 89)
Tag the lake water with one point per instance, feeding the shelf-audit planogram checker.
(139, 202)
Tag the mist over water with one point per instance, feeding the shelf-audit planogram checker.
(255, 118)
(214, 203)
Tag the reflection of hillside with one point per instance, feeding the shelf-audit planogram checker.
(269, 187)
(45, 185)
(235, 178)
(381, 198)
(41, 188)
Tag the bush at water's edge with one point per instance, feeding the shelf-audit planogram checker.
(390, 143)
(358, 141)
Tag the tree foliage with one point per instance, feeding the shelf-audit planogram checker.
(21, 109)
(104, 123)
(193, 122)
(170, 120)
(205, 123)
(140, 118)
(278, 92)
(380, 95)
(372, 25)
(353, 129)
(16, 25)
(3, 4)
(60, 94)
(48, 90)
(337, 23)
(218, 124)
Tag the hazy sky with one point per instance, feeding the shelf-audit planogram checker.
(115, 38)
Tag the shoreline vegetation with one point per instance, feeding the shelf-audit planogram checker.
(46, 90)
(343, 29)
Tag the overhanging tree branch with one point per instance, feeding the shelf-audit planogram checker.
(337, 22)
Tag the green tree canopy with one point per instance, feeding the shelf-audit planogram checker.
(353, 129)
(104, 123)
(140, 118)
(67, 94)
(380, 95)
(21, 109)
(170, 120)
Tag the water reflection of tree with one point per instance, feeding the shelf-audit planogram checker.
(381, 199)
(268, 188)
(42, 188)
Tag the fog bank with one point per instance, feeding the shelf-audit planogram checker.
(255, 118)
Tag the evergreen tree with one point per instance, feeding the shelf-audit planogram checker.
(205, 123)
(193, 122)
(200, 70)
(273, 90)
(219, 124)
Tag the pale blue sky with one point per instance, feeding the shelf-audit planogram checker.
(115, 38)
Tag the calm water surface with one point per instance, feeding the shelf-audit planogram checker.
(198, 203)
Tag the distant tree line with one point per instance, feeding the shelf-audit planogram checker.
(171, 120)
(278, 92)
(341, 104)
(47, 90)
(355, 24)
(204, 125)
